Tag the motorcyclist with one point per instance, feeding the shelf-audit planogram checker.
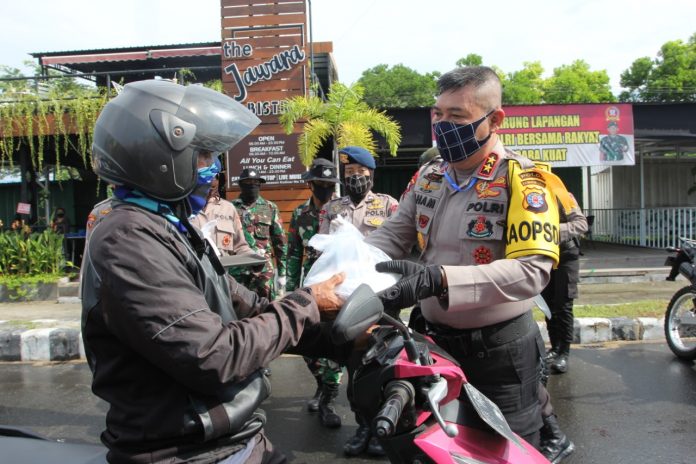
(177, 347)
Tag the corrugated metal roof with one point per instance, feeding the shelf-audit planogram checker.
(123, 49)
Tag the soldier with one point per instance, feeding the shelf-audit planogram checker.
(264, 233)
(229, 235)
(487, 221)
(366, 211)
(361, 207)
(322, 181)
(613, 147)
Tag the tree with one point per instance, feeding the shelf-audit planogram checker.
(472, 59)
(575, 83)
(671, 77)
(398, 87)
(524, 87)
(344, 116)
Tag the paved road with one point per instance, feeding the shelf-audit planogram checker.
(621, 403)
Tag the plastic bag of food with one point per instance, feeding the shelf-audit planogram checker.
(344, 250)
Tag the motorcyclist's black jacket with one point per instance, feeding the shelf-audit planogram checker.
(170, 340)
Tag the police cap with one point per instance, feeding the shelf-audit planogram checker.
(359, 155)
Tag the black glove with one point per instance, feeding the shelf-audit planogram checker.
(419, 282)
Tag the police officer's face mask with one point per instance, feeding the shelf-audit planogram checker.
(457, 142)
(198, 197)
(357, 184)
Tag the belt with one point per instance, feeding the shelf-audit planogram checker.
(568, 244)
(491, 335)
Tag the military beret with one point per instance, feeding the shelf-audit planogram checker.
(348, 155)
(251, 174)
(321, 169)
(613, 124)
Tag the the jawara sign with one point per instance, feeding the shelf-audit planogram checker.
(264, 62)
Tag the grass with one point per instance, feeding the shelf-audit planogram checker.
(643, 308)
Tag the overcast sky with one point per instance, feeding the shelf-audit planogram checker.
(424, 35)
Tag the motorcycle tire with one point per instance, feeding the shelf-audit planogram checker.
(681, 333)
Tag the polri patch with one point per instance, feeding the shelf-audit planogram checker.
(534, 200)
(480, 228)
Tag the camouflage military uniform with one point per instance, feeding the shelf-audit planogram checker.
(613, 147)
(263, 230)
(303, 225)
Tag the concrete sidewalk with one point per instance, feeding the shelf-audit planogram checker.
(610, 274)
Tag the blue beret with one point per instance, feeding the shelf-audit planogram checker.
(348, 155)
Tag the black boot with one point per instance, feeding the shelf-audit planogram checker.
(357, 444)
(551, 354)
(554, 444)
(559, 364)
(327, 410)
(374, 448)
(313, 402)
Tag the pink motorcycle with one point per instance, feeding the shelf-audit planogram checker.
(423, 410)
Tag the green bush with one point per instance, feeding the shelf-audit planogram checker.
(36, 253)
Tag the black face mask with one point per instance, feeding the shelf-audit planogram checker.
(249, 193)
(357, 186)
(323, 194)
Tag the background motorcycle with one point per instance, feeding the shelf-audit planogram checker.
(423, 409)
(680, 317)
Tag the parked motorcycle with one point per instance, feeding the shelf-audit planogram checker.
(680, 318)
(423, 409)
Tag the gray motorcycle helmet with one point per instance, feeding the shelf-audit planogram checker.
(148, 137)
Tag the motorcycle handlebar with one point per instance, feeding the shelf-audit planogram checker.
(399, 393)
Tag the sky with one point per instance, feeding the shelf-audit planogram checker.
(423, 35)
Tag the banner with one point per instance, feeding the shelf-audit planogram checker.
(571, 135)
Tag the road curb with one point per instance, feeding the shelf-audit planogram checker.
(65, 343)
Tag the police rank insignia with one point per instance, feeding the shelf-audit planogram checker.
(482, 255)
(480, 228)
(534, 200)
(488, 166)
(376, 221)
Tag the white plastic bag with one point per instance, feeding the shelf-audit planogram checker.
(343, 250)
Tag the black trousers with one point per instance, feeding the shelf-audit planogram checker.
(559, 294)
(508, 374)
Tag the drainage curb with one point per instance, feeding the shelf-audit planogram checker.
(64, 344)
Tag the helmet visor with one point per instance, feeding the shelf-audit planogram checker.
(220, 121)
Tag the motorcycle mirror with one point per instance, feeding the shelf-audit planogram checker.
(361, 310)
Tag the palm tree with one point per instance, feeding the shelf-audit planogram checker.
(343, 116)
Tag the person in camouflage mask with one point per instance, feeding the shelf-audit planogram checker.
(322, 181)
(264, 232)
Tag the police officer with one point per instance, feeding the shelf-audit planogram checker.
(227, 233)
(264, 233)
(322, 180)
(487, 222)
(563, 289)
(361, 207)
(175, 345)
(367, 211)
